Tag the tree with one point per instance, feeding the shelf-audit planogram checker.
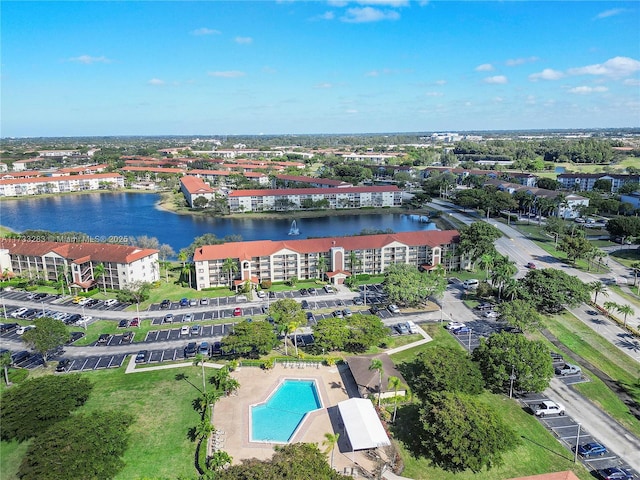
(354, 262)
(230, 267)
(635, 266)
(503, 353)
(98, 272)
(136, 292)
(575, 247)
(462, 432)
(597, 288)
(625, 310)
(548, 183)
(165, 251)
(441, 368)
(394, 382)
(364, 332)
(330, 441)
(330, 334)
(406, 285)
(5, 361)
(31, 407)
(87, 445)
(556, 227)
(251, 338)
(321, 266)
(624, 227)
(49, 335)
(288, 316)
(520, 314)
(376, 364)
(503, 271)
(550, 290)
(478, 239)
(486, 262)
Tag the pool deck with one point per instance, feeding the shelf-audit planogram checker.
(334, 383)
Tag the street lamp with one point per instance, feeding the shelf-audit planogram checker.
(512, 377)
(470, 332)
(575, 455)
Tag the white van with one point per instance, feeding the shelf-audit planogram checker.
(470, 284)
(413, 328)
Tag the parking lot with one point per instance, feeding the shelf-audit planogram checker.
(49, 301)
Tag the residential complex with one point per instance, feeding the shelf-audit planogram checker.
(296, 198)
(17, 187)
(278, 261)
(193, 188)
(586, 181)
(124, 266)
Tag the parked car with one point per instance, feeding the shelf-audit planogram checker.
(303, 292)
(196, 329)
(338, 314)
(374, 309)
(413, 328)
(357, 301)
(63, 365)
(75, 336)
(347, 312)
(591, 449)
(531, 265)
(461, 331)
(261, 294)
(191, 349)
(104, 338)
(310, 317)
(615, 473)
(204, 349)
(237, 312)
(188, 317)
(19, 357)
(216, 348)
(24, 328)
(485, 306)
(168, 318)
(454, 325)
(110, 302)
(93, 302)
(328, 289)
(165, 304)
(490, 314)
(142, 355)
(304, 304)
(204, 301)
(193, 302)
(123, 324)
(5, 327)
(127, 337)
(185, 330)
(18, 313)
(568, 369)
(547, 407)
(135, 322)
(272, 294)
(184, 302)
(393, 308)
(401, 328)
(312, 291)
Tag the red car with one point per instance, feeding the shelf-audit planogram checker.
(531, 265)
(135, 322)
(237, 312)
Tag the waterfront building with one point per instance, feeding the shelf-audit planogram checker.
(586, 181)
(321, 258)
(222, 176)
(124, 265)
(297, 198)
(193, 188)
(17, 187)
(298, 180)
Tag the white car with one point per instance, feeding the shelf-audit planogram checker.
(454, 325)
(185, 330)
(110, 302)
(413, 328)
(261, 294)
(19, 312)
(24, 328)
(393, 308)
(548, 407)
(188, 318)
(490, 314)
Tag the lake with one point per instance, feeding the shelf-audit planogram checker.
(135, 214)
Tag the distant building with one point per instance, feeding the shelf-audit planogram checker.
(293, 199)
(124, 265)
(633, 199)
(221, 176)
(281, 260)
(71, 183)
(297, 180)
(586, 181)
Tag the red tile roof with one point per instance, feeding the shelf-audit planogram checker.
(65, 178)
(311, 191)
(319, 181)
(263, 248)
(225, 173)
(195, 185)
(177, 171)
(98, 252)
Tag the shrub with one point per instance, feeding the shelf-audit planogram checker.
(266, 284)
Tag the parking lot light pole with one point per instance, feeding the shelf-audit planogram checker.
(512, 377)
(43, 308)
(575, 455)
(470, 332)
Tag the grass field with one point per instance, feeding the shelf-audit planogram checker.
(627, 257)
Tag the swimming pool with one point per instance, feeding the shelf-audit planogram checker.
(277, 420)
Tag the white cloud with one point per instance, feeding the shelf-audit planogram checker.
(243, 40)
(156, 81)
(610, 13)
(323, 85)
(434, 94)
(377, 73)
(633, 82)
(498, 99)
(512, 62)
(326, 16)
(584, 90)
(368, 14)
(497, 79)
(440, 82)
(351, 111)
(88, 59)
(485, 67)
(546, 74)
(205, 31)
(227, 74)
(616, 67)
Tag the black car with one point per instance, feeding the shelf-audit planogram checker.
(374, 310)
(63, 365)
(92, 303)
(142, 355)
(310, 317)
(304, 304)
(357, 301)
(73, 319)
(272, 294)
(39, 296)
(104, 338)
(216, 348)
(75, 336)
(191, 349)
(303, 292)
(5, 327)
(615, 473)
(127, 337)
(165, 304)
(311, 290)
(123, 324)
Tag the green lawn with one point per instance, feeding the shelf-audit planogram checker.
(11, 454)
(626, 257)
(597, 350)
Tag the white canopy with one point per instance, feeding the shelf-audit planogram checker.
(362, 424)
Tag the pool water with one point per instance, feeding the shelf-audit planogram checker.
(278, 419)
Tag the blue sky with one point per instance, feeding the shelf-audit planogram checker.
(214, 68)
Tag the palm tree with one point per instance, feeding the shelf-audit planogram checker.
(293, 326)
(331, 440)
(203, 430)
(230, 267)
(597, 288)
(625, 310)
(486, 262)
(321, 266)
(354, 261)
(636, 268)
(376, 364)
(609, 306)
(183, 256)
(99, 271)
(5, 361)
(511, 288)
(394, 382)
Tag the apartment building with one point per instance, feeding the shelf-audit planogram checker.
(17, 187)
(221, 176)
(586, 181)
(193, 188)
(322, 257)
(297, 198)
(124, 265)
(297, 180)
